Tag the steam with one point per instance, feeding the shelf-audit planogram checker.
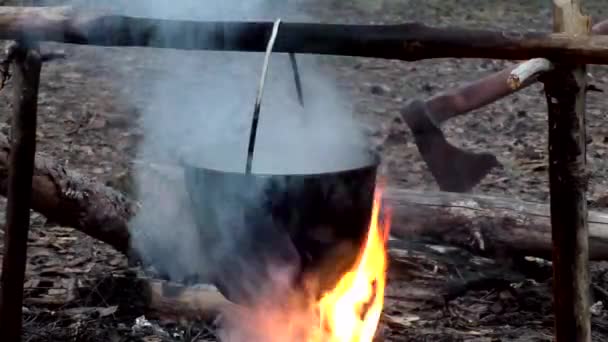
(196, 109)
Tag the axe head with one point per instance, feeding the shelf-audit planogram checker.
(454, 169)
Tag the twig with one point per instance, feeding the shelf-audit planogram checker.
(527, 72)
(5, 64)
(5, 73)
(54, 55)
(603, 293)
(495, 281)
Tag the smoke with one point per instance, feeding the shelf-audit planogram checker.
(196, 109)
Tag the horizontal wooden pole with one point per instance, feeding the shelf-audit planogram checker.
(408, 42)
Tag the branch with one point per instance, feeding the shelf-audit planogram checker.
(409, 42)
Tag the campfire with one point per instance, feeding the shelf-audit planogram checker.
(294, 235)
(350, 312)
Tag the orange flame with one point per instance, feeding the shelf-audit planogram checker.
(348, 313)
(351, 311)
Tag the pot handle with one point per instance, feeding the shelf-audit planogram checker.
(296, 77)
(258, 99)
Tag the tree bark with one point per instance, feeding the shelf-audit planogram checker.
(409, 42)
(565, 93)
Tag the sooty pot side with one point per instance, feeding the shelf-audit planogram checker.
(315, 223)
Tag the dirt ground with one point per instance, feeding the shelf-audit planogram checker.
(75, 287)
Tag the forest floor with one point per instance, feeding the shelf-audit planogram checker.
(85, 123)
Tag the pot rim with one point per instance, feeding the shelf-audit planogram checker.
(373, 162)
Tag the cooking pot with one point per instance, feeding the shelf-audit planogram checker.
(315, 223)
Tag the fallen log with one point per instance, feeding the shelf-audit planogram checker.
(484, 224)
(409, 42)
(72, 200)
(487, 225)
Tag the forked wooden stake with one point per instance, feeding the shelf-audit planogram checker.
(565, 92)
(26, 69)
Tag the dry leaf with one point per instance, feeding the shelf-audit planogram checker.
(399, 322)
(103, 312)
(97, 122)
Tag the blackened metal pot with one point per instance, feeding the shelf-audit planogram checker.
(316, 223)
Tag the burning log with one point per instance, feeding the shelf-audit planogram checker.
(408, 42)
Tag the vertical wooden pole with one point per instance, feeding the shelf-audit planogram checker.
(26, 74)
(565, 94)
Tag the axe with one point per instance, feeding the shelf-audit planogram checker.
(454, 169)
